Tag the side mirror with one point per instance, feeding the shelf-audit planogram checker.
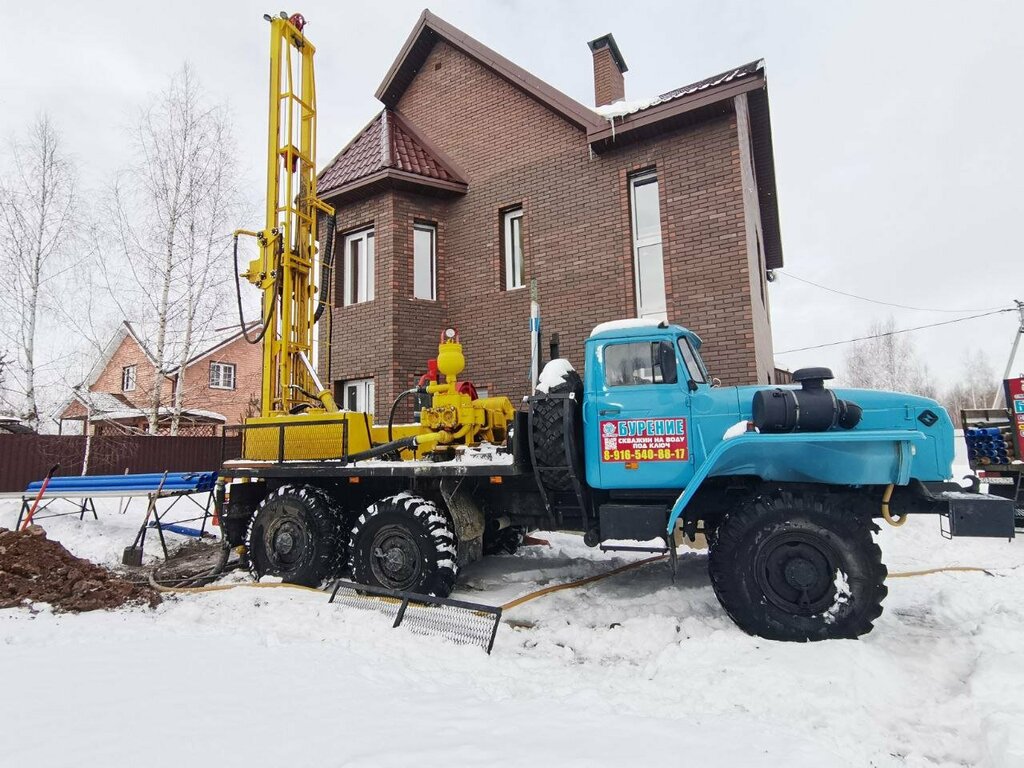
(692, 385)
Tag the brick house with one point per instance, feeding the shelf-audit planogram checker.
(477, 179)
(222, 386)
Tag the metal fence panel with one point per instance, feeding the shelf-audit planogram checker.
(24, 458)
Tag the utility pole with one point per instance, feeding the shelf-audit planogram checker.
(1013, 352)
(534, 335)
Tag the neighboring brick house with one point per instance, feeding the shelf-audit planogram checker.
(477, 178)
(221, 386)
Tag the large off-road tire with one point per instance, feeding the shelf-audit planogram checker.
(297, 534)
(794, 566)
(549, 430)
(407, 543)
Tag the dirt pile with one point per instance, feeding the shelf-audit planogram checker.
(35, 569)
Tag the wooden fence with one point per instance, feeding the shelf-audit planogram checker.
(24, 458)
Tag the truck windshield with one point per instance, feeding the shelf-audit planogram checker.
(693, 363)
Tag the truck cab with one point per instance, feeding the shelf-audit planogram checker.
(640, 387)
(653, 416)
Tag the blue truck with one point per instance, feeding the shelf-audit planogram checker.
(787, 484)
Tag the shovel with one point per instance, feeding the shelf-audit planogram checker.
(133, 554)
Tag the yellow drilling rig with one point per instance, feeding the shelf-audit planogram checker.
(299, 418)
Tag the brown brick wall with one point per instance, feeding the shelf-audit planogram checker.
(360, 344)
(577, 238)
(130, 353)
(231, 403)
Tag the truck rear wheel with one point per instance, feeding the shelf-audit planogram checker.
(406, 543)
(296, 534)
(798, 567)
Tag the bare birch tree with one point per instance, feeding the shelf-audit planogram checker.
(37, 213)
(888, 361)
(173, 210)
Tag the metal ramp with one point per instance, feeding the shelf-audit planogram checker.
(458, 621)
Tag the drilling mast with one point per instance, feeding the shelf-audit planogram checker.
(284, 270)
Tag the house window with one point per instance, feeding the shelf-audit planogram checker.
(357, 395)
(222, 375)
(647, 261)
(512, 222)
(358, 267)
(128, 378)
(424, 261)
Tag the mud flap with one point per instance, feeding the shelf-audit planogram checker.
(468, 520)
(457, 621)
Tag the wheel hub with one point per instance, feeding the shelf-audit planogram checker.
(796, 572)
(287, 543)
(395, 560)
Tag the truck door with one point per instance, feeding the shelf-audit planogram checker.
(637, 417)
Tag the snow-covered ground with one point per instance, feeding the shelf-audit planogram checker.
(625, 671)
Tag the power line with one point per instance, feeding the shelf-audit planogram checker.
(884, 303)
(901, 330)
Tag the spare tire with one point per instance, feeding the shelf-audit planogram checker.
(549, 430)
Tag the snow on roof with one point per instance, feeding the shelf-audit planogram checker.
(625, 324)
(111, 406)
(102, 402)
(14, 425)
(623, 107)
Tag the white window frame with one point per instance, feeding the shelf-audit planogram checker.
(222, 375)
(129, 378)
(360, 265)
(656, 311)
(364, 395)
(514, 279)
(431, 229)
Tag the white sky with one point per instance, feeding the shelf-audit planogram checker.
(896, 125)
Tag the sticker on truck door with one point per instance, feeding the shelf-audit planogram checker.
(644, 440)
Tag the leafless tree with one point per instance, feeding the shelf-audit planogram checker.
(37, 212)
(4, 365)
(173, 209)
(887, 361)
(976, 386)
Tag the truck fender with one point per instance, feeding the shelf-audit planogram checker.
(884, 458)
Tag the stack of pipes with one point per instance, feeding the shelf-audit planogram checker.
(990, 445)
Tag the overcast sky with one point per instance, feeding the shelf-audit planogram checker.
(896, 125)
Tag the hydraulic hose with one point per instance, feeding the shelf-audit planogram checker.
(892, 520)
(393, 446)
(238, 295)
(325, 268)
(394, 407)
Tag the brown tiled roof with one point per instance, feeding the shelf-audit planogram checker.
(387, 143)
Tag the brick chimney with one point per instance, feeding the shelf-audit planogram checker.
(609, 67)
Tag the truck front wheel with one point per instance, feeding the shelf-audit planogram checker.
(406, 543)
(798, 567)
